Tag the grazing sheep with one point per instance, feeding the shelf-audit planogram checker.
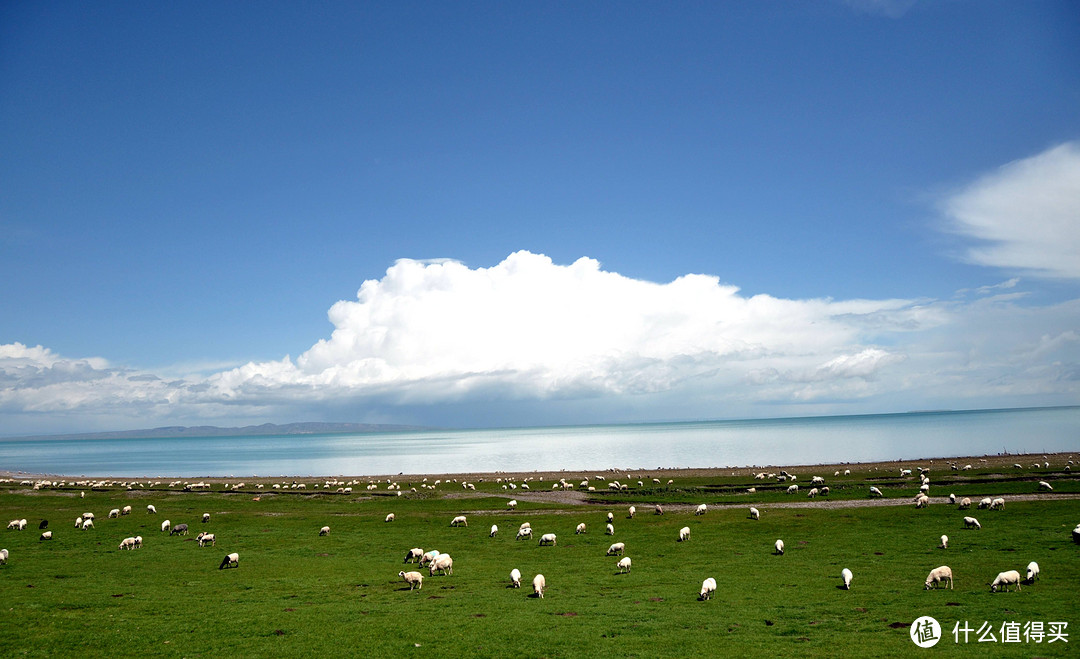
(525, 532)
(825, 491)
(13, 525)
(459, 521)
(874, 492)
(659, 509)
(429, 557)
(138, 541)
(944, 542)
(580, 528)
(539, 585)
(922, 501)
(812, 493)
(414, 579)
(414, 553)
(166, 525)
(3, 556)
(997, 504)
(205, 518)
(1032, 572)
(792, 489)
(515, 578)
(845, 574)
(150, 509)
(1004, 580)
(1043, 485)
(684, 534)
(952, 498)
(632, 512)
(87, 524)
(623, 564)
(817, 480)
(972, 523)
(938, 575)
(512, 504)
(126, 510)
(324, 530)
(778, 548)
(46, 536)
(206, 539)
(985, 503)
(548, 538)
(610, 517)
(1076, 534)
(701, 509)
(708, 587)
(754, 513)
(127, 543)
(965, 503)
(609, 530)
(86, 516)
(390, 517)
(442, 563)
(616, 548)
(179, 529)
(115, 512)
(494, 530)
(232, 560)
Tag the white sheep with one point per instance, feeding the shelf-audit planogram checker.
(205, 518)
(548, 539)
(985, 503)
(845, 574)
(965, 503)
(230, 560)
(515, 578)
(150, 509)
(494, 530)
(390, 517)
(623, 564)
(755, 513)
(512, 504)
(539, 585)
(944, 542)
(324, 530)
(812, 493)
(414, 554)
(414, 579)
(127, 543)
(874, 492)
(708, 587)
(659, 510)
(525, 532)
(938, 575)
(632, 512)
(825, 491)
(952, 498)
(997, 504)
(972, 523)
(23, 522)
(684, 534)
(609, 530)
(792, 489)
(778, 548)
(1004, 580)
(46, 536)
(701, 509)
(580, 528)
(442, 563)
(459, 521)
(922, 501)
(206, 539)
(610, 517)
(13, 525)
(429, 557)
(3, 556)
(138, 541)
(1032, 572)
(818, 480)
(126, 510)
(1043, 485)
(115, 512)
(166, 525)
(616, 548)
(87, 524)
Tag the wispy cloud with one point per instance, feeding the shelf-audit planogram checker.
(1025, 216)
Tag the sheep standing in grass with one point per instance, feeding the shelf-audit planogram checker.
(512, 504)
(944, 542)
(494, 530)
(442, 563)
(206, 539)
(708, 587)
(972, 523)
(539, 585)
(46, 536)
(609, 530)
(985, 503)
(3, 556)
(659, 510)
(684, 534)
(1043, 485)
(126, 510)
(150, 509)
(414, 579)
(524, 532)
(459, 521)
(792, 489)
(324, 530)
(938, 575)
(138, 542)
(1076, 534)
(548, 539)
(755, 513)
(997, 504)
(114, 513)
(965, 503)
(165, 526)
(874, 492)
(616, 548)
(127, 543)
(1032, 572)
(390, 517)
(179, 529)
(845, 574)
(610, 517)
(632, 512)
(701, 509)
(515, 578)
(429, 557)
(231, 560)
(1004, 580)
(778, 548)
(87, 524)
(205, 518)
(414, 554)
(623, 564)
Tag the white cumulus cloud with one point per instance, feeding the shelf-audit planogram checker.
(1024, 216)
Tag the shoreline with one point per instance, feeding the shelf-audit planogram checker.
(1057, 461)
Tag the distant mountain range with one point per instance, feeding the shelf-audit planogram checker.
(214, 431)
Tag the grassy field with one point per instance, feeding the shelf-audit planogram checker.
(298, 594)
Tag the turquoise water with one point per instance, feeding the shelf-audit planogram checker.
(806, 440)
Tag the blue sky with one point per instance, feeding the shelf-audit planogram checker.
(782, 208)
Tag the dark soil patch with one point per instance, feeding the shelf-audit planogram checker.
(898, 625)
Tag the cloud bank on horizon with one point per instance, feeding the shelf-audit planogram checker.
(439, 332)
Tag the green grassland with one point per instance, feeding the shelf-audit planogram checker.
(298, 594)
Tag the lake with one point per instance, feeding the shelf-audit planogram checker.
(789, 441)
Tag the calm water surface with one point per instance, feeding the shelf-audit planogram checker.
(700, 444)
